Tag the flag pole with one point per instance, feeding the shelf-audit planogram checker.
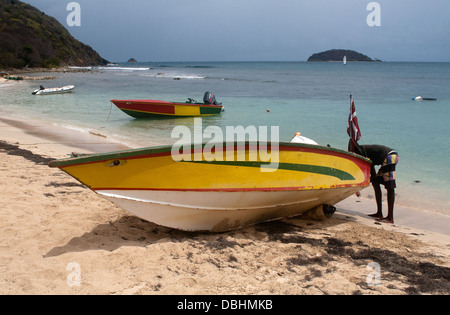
(355, 143)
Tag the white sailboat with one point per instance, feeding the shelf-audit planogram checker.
(345, 60)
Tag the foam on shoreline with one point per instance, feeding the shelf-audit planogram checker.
(57, 140)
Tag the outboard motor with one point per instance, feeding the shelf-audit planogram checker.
(209, 98)
(41, 88)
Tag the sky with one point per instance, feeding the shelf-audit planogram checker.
(257, 30)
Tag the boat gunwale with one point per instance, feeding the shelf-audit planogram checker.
(165, 150)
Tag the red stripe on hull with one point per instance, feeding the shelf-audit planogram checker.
(156, 107)
(227, 189)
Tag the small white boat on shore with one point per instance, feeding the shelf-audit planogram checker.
(58, 90)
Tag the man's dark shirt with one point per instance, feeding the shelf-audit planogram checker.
(376, 153)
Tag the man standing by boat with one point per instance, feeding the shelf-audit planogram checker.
(387, 158)
(381, 155)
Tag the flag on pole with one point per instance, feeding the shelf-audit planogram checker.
(353, 127)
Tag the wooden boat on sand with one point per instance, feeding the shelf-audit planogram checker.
(236, 188)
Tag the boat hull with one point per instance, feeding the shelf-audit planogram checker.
(197, 193)
(51, 91)
(152, 108)
(175, 213)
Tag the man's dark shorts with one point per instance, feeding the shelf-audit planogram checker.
(386, 174)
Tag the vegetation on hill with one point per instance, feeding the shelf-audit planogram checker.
(30, 38)
(338, 55)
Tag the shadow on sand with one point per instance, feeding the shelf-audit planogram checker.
(133, 231)
(421, 276)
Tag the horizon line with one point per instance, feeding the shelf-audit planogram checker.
(281, 61)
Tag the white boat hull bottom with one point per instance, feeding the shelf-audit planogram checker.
(218, 211)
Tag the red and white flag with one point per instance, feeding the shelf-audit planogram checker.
(353, 127)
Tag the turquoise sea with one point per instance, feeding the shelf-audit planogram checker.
(312, 98)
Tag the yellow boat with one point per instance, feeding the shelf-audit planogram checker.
(232, 186)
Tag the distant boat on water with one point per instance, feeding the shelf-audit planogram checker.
(420, 98)
(344, 61)
(58, 90)
(151, 108)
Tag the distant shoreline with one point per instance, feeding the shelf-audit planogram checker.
(26, 74)
(16, 71)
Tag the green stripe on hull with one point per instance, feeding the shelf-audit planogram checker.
(137, 114)
(166, 150)
(315, 169)
(210, 110)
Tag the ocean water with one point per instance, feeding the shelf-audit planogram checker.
(312, 98)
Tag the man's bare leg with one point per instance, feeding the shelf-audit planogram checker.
(391, 201)
(378, 198)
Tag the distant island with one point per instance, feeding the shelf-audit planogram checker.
(338, 55)
(132, 60)
(31, 39)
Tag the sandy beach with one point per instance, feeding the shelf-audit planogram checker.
(58, 237)
(52, 225)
